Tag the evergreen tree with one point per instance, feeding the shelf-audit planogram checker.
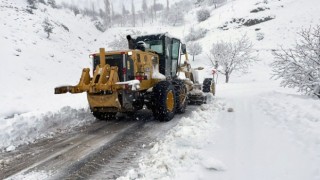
(47, 27)
(107, 18)
(112, 12)
(133, 14)
(93, 9)
(154, 9)
(124, 14)
(144, 11)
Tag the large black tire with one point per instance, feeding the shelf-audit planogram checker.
(206, 87)
(104, 115)
(181, 96)
(138, 104)
(164, 101)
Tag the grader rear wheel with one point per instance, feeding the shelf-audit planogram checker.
(207, 85)
(181, 94)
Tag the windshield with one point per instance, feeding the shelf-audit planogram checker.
(155, 45)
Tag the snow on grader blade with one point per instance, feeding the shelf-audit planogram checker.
(147, 74)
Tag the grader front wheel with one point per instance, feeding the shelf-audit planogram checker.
(164, 101)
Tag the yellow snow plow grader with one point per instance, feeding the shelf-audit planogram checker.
(145, 74)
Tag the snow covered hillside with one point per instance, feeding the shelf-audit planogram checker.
(33, 65)
(253, 129)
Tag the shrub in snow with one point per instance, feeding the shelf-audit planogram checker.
(299, 67)
(196, 34)
(42, 1)
(32, 4)
(203, 14)
(47, 27)
(252, 22)
(199, 2)
(65, 27)
(194, 49)
(232, 56)
(259, 9)
(75, 10)
(99, 26)
(52, 3)
(260, 36)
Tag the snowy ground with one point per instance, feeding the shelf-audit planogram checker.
(252, 130)
(270, 133)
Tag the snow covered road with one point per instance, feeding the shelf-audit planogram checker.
(100, 150)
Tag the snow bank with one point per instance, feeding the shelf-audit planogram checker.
(29, 127)
(39, 175)
(298, 115)
(181, 148)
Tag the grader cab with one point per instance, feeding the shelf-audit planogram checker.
(145, 74)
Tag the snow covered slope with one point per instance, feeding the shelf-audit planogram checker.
(33, 65)
(273, 133)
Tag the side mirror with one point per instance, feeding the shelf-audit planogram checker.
(184, 48)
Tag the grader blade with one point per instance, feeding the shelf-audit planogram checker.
(82, 86)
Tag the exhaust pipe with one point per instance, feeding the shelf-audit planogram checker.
(130, 42)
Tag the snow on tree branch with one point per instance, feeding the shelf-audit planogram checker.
(299, 67)
(233, 56)
(194, 49)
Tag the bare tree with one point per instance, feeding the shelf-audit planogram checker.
(233, 56)
(216, 3)
(194, 49)
(299, 67)
(124, 14)
(174, 17)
